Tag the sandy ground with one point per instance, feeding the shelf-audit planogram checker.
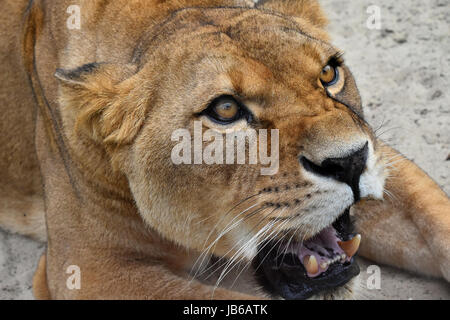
(403, 73)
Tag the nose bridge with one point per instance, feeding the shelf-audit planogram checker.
(333, 135)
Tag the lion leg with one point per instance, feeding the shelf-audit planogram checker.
(21, 195)
(23, 214)
(410, 229)
(106, 276)
(40, 288)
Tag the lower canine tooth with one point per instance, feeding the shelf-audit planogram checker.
(323, 265)
(351, 246)
(310, 263)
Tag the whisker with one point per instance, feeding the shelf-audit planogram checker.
(226, 215)
(387, 130)
(259, 250)
(275, 245)
(225, 230)
(267, 227)
(391, 164)
(228, 266)
(243, 239)
(211, 266)
(381, 125)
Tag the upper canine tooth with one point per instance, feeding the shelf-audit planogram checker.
(351, 246)
(310, 263)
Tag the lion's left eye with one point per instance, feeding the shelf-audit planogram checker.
(224, 109)
(329, 75)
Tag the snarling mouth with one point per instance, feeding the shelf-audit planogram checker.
(301, 269)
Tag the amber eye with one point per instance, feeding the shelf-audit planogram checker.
(224, 109)
(329, 75)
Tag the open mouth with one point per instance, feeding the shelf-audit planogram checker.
(301, 269)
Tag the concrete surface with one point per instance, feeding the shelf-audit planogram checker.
(403, 73)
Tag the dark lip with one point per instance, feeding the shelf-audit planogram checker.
(284, 275)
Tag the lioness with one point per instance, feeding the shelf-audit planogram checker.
(88, 115)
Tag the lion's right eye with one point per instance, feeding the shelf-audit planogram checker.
(224, 110)
(329, 75)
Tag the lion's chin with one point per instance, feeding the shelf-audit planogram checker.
(322, 264)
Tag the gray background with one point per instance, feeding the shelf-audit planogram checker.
(402, 71)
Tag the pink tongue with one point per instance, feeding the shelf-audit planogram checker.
(324, 247)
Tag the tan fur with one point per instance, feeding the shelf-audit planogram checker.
(40, 288)
(21, 203)
(410, 229)
(98, 141)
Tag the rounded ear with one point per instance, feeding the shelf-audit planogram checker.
(308, 10)
(77, 76)
(94, 72)
(107, 100)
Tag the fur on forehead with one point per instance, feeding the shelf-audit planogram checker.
(111, 121)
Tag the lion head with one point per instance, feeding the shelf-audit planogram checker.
(234, 69)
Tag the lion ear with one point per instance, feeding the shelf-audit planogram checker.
(77, 76)
(308, 10)
(105, 100)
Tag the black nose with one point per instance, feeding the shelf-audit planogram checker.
(347, 169)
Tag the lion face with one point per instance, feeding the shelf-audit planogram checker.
(234, 70)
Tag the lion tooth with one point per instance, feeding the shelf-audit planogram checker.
(343, 256)
(351, 246)
(310, 263)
